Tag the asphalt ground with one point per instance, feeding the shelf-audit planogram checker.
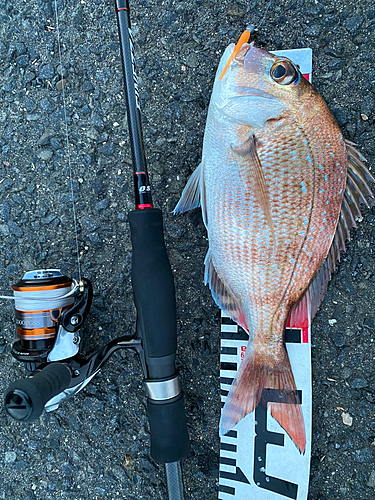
(97, 446)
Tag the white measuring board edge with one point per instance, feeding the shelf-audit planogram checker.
(260, 462)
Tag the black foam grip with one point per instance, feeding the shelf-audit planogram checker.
(169, 436)
(153, 284)
(25, 398)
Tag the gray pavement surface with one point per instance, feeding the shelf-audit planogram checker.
(97, 446)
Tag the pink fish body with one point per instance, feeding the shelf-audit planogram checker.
(271, 185)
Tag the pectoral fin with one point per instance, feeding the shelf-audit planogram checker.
(252, 176)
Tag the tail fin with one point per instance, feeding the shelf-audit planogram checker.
(246, 392)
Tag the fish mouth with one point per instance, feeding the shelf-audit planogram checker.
(251, 92)
(244, 94)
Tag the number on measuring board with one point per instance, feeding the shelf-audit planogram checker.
(246, 464)
(264, 437)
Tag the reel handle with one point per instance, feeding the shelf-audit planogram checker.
(25, 399)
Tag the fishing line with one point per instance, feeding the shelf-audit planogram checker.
(67, 138)
(264, 16)
(75, 287)
(36, 300)
(7, 297)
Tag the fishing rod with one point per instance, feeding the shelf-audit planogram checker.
(51, 309)
(153, 287)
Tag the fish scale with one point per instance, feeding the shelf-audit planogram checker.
(271, 184)
(226, 219)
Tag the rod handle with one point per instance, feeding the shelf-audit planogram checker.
(154, 292)
(169, 436)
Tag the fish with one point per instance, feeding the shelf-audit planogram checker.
(279, 188)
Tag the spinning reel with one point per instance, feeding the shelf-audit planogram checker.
(50, 309)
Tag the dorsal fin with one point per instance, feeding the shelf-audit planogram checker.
(357, 188)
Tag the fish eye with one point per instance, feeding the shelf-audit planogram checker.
(278, 72)
(283, 72)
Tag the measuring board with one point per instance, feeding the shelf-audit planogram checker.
(258, 460)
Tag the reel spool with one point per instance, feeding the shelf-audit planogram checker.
(40, 298)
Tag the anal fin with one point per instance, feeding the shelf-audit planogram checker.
(221, 294)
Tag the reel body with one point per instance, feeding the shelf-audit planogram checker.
(40, 299)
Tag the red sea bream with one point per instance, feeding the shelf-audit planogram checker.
(279, 189)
